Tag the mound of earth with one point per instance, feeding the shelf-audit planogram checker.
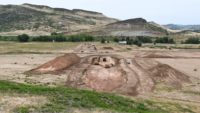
(167, 74)
(108, 48)
(57, 65)
(124, 76)
(111, 73)
(155, 55)
(85, 48)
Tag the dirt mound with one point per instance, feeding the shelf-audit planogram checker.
(169, 75)
(101, 73)
(112, 73)
(86, 48)
(57, 65)
(124, 76)
(108, 48)
(155, 55)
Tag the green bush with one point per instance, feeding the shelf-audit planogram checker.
(103, 41)
(116, 40)
(8, 38)
(192, 41)
(42, 39)
(59, 38)
(81, 38)
(145, 39)
(165, 40)
(134, 41)
(23, 38)
(56, 38)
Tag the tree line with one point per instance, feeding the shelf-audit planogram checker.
(56, 38)
(138, 40)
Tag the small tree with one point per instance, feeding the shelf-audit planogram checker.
(23, 38)
(192, 40)
(54, 33)
(116, 40)
(103, 40)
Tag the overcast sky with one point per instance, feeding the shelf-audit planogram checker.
(160, 11)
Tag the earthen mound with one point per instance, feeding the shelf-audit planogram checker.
(86, 48)
(170, 76)
(101, 73)
(108, 48)
(155, 55)
(57, 65)
(124, 76)
(112, 73)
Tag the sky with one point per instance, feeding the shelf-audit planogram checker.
(161, 11)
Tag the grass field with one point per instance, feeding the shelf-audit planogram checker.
(35, 47)
(61, 99)
(49, 47)
(174, 46)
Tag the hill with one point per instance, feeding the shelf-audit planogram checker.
(132, 27)
(42, 20)
(183, 27)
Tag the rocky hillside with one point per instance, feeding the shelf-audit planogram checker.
(38, 19)
(183, 27)
(132, 27)
(43, 20)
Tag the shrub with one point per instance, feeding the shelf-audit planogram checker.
(88, 38)
(75, 38)
(135, 42)
(43, 39)
(54, 33)
(59, 38)
(103, 40)
(165, 40)
(116, 40)
(8, 38)
(56, 38)
(23, 38)
(192, 41)
(80, 38)
(145, 39)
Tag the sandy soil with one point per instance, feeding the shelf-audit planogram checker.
(13, 66)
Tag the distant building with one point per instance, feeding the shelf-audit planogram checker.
(122, 42)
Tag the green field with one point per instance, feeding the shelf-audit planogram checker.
(61, 99)
(35, 47)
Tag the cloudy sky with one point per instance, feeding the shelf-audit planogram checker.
(160, 11)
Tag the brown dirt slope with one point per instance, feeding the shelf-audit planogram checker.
(112, 73)
(57, 65)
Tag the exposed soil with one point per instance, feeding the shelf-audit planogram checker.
(57, 65)
(112, 73)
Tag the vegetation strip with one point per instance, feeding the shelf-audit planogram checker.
(62, 98)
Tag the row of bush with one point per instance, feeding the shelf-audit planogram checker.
(8, 38)
(166, 40)
(145, 39)
(192, 40)
(55, 38)
(82, 37)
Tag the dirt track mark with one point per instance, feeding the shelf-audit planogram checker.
(146, 82)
